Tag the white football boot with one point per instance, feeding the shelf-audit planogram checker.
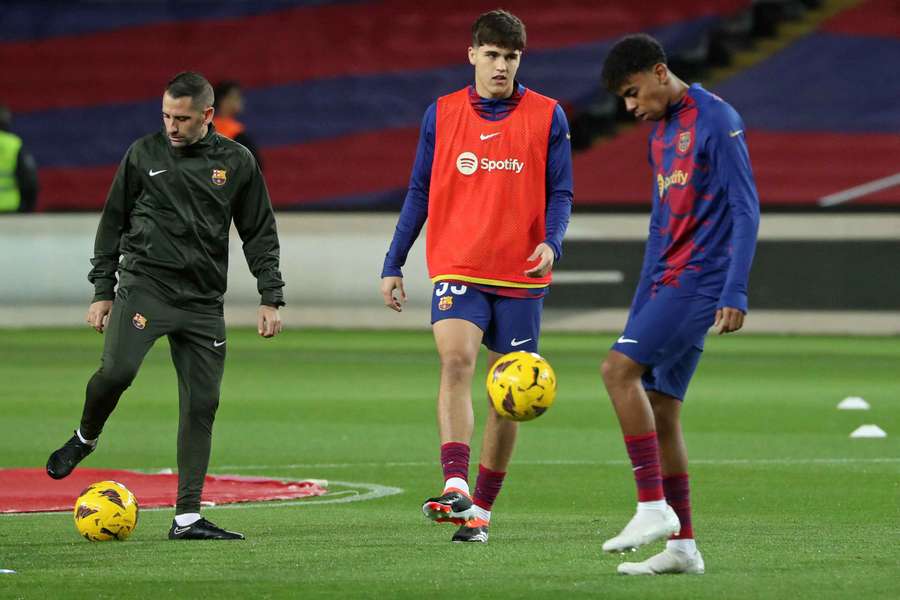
(672, 560)
(646, 526)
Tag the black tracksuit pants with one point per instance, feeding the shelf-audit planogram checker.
(197, 341)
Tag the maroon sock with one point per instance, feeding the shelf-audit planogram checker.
(678, 495)
(455, 460)
(487, 486)
(644, 453)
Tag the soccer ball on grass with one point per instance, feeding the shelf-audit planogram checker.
(106, 511)
(521, 386)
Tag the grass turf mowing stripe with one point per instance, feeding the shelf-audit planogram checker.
(785, 504)
(700, 461)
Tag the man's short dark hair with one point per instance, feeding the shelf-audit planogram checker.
(499, 28)
(193, 85)
(631, 54)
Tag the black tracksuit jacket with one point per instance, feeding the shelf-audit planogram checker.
(168, 215)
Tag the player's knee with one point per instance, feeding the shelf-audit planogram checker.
(618, 369)
(116, 375)
(201, 412)
(606, 370)
(611, 371)
(457, 364)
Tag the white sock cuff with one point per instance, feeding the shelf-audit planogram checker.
(458, 483)
(185, 519)
(652, 505)
(92, 442)
(481, 513)
(688, 546)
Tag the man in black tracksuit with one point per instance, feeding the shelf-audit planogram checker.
(167, 216)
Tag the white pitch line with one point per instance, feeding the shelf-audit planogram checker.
(588, 277)
(710, 461)
(380, 491)
(860, 190)
(374, 491)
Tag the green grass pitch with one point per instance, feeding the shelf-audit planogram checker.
(786, 505)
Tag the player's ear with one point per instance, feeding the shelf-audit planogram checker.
(208, 115)
(473, 52)
(662, 73)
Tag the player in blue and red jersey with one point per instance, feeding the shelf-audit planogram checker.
(696, 266)
(493, 178)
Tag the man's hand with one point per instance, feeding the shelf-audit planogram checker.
(98, 314)
(388, 285)
(728, 320)
(544, 255)
(268, 321)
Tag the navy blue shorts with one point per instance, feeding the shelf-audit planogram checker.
(508, 324)
(665, 333)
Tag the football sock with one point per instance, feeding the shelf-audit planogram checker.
(92, 442)
(457, 483)
(652, 505)
(186, 519)
(678, 495)
(480, 513)
(686, 546)
(487, 486)
(644, 453)
(455, 462)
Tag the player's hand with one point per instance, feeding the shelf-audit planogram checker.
(544, 255)
(728, 320)
(392, 301)
(98, 314)
(268, 321)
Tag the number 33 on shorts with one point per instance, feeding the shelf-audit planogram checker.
(445, 291)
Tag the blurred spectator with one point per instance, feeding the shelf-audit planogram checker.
(229, 104)
(18, 171)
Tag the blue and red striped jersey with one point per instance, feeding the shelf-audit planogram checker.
(705, 214)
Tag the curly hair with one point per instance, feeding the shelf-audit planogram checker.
(631, 54)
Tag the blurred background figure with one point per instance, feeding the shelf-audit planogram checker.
(18, 171)
(229, 104)
(337, 131)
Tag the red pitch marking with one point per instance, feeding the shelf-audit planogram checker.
(31, 490)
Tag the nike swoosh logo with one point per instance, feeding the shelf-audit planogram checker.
(624, 340)
(155, 173)
(735, 133)
(180, 530)
(516, 342)
(217, 343)
(489, 135)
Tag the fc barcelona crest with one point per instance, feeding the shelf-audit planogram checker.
(219, 176)
(684, 141)
(139, 321)
(445, 303)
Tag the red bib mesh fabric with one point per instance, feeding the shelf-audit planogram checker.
(487, 198)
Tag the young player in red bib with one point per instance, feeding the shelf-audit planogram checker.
(702, 239)
(493, 178)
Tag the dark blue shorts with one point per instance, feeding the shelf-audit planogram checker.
(508, 323)
(665, 333)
